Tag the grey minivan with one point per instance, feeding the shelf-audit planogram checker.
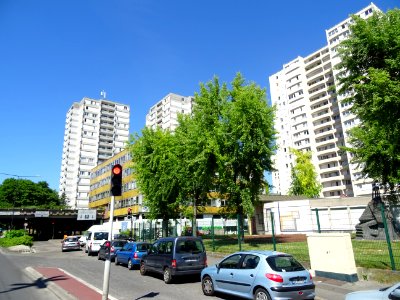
(175, 256)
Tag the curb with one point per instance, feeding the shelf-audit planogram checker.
(59, 292)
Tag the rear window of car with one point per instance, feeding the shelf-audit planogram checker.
(119, 243)
(284, 263)
(143, 247)
(73, 239)
(189, 246)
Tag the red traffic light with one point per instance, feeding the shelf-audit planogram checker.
(116, 180)
(117, 169)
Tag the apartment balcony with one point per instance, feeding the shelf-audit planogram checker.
(314, 80)
(107, 113)
(313, 64)
(323, 159)
(325, 131)
(320, 124)
(323, 114)
(320, 107)
(335, 188)
(105, 144)
(109, 106)
(326, 141)
(105, 125)
(316, 101)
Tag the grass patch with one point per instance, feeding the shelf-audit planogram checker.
(367, 254)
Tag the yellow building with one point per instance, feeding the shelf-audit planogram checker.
(100, 197)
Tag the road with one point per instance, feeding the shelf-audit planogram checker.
(15, 285)
(124, 284)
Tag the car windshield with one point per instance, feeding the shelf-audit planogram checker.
(189, 246)
(284, 263)
(100, 236)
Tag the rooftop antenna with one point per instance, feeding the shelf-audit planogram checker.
(103, 94)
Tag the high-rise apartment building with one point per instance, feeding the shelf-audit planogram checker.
(311, 117)
(164, 113)
(95, 130)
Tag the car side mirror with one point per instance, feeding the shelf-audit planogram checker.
(395, 295)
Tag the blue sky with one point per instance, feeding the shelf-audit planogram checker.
(54, 53)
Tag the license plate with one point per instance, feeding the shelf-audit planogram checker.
(298, 281)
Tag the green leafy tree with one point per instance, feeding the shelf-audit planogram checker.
(27, 194)
(304, 176)
(155, 161)
(246, 137)
(370, 79)
(198, 148)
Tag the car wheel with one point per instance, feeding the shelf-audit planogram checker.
(207, 286)
(261, 294)
(167, 275)
(130, 265)
(142, 269)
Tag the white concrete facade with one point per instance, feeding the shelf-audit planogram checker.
(300, 216)
(95, 130)
(311, 117)
(164, 113)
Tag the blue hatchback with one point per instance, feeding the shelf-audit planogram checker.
(131, 253)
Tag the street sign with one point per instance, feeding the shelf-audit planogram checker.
(86, 214)
(42, 214)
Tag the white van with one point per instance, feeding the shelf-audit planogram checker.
(96, 236)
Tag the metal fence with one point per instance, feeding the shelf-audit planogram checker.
(374, 233)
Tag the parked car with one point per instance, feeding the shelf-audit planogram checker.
(70, 243)
(131, 254)
(110, 251)
(391, 292)
(97, 235)
(175, 256)
(82, 240)
(259, 275)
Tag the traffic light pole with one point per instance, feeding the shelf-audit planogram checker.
(107, 264)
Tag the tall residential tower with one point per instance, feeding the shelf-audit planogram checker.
(95, 130)
(311, 117)
(164, 113)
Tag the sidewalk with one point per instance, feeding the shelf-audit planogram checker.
(325, 285)
(65, 286)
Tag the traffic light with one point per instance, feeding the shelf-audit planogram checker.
(116, 180)
(129, 213)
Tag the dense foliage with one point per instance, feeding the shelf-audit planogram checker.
(16, 237)
(23, 193)
(304, 177)
(224, 146)
(370, 79)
